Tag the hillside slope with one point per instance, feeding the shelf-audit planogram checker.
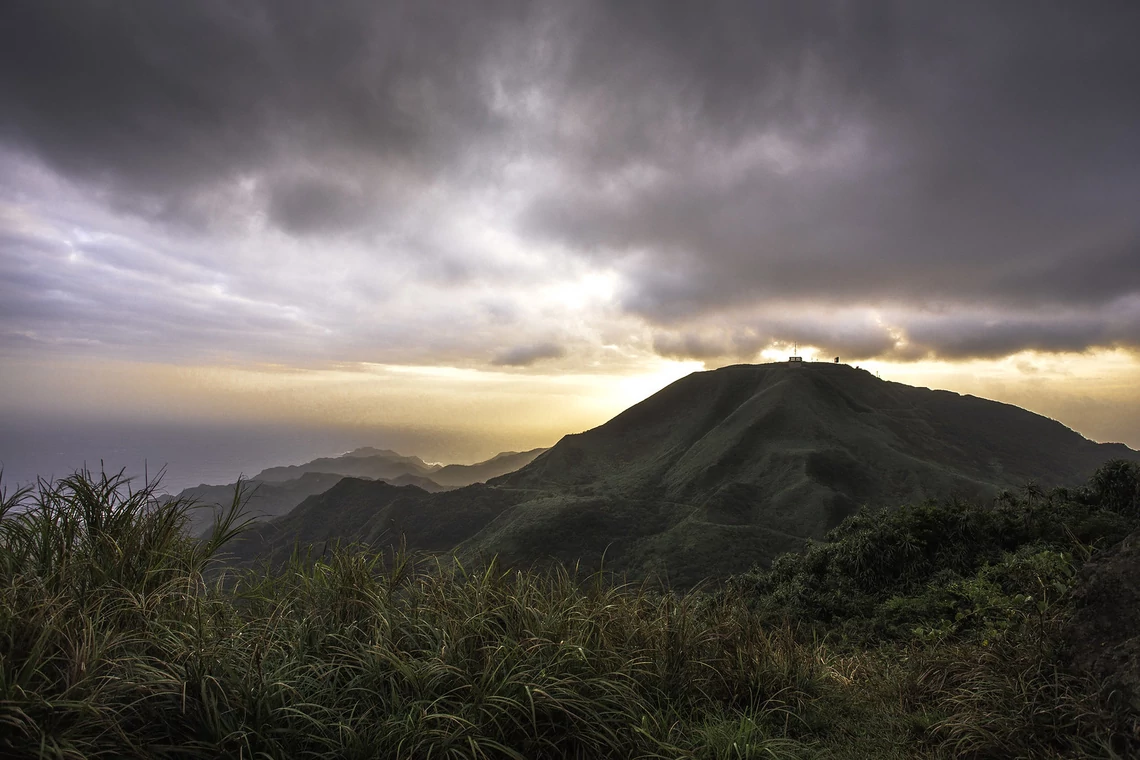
(265, 500)
(379, 514)
(725, 469)
(799, 448)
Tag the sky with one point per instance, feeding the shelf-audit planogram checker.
(482, 225)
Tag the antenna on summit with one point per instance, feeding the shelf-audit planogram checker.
(795, 357)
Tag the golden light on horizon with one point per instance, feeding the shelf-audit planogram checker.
(1092, 393)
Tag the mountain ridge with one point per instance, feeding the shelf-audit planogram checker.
(727, 468)
(385, 464)
(279, 494)
(457, 475)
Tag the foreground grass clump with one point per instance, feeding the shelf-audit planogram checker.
(122, 637)
(113, 643)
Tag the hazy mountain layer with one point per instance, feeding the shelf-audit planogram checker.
(454, 475)
(361, 463)
(266, 500)
(271, 498)
(716, 472)
(383, 464)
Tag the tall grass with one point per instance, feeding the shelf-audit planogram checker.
(114, 643)
(122, 637)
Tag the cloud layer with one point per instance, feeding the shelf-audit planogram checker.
(567, 184)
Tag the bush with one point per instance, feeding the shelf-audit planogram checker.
(1116, 486)
(882, 572)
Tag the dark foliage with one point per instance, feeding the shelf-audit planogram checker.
(957, 566)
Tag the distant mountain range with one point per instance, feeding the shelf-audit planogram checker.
(266, 500)
(456, 475)
(715, 473)
(276, 490)
(362, 463)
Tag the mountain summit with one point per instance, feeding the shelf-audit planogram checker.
(798, 447)
(718, 471)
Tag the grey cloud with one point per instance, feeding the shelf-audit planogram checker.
(872, 154)
(689, 345)
(66, 290)
(855, 336)
(524, 356)
(912, 335)
(61, 296)
(312, 205)
(156, 103)
(959, 336)
(1083, 275)
(720, 157)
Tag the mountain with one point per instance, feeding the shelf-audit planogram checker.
(455, 475)
(268, 500)
(427, 484)
(803, 446)
(715, 473)
(372, 451)
(276, 490)
(384, 464)
(265, 499)
(361, 463)
(379, 514)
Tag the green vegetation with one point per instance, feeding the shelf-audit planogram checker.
(715, 474)
(930, 631)
(937, 569)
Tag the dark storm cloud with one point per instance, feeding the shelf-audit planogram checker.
(308, 205)
(907, 335)
(960, 336)
(729, 160)
(855, 336)
(861, 154)
(155, 101)
(524, 356)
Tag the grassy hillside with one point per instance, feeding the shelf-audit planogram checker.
(807, 444)
(930, 633)
(377, 514)
(718, 472)
(725, 469)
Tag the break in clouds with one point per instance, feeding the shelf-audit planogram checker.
(533, 183)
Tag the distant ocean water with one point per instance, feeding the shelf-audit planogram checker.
(190, 454)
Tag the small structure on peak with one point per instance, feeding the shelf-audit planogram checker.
(795, 358)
